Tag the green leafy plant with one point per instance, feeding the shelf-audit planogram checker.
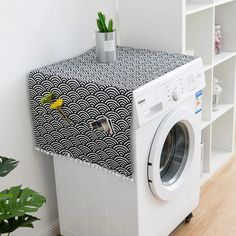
(55, 104)
(47, 98)
(7, 165)
(16, 202)
(101, 23)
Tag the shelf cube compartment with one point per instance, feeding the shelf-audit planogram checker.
(222, 140)
(199, 34)
(225, 73)
(226, 17)
(223, 132)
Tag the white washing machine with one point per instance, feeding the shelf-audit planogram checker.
(166, 147)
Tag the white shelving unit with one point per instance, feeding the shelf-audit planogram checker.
(220, 2)
(187, 26)
(196, 7)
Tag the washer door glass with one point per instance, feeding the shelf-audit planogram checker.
(174, 147)
(174, 154)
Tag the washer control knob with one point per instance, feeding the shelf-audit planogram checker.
(176, 95)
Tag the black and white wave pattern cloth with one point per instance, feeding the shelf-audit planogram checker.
(92, 90)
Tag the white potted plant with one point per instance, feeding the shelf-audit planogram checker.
(105, 40)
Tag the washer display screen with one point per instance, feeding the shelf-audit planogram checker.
(174, 154)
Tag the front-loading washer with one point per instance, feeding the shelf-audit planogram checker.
(166, 144)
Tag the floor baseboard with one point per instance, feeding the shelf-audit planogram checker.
(52, 230)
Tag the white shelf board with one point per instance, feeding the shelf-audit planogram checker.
(221, 57)
(192, 8)
(207, 67)
(223, 108)
(218, 159)
(221, 2)
(205, 123)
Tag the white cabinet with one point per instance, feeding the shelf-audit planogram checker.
(187, 26)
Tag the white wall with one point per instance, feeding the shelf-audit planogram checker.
(33, 34)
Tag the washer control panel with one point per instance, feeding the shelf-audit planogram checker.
(176, 95)
(175, 90)
(154, 98)
(182, 87)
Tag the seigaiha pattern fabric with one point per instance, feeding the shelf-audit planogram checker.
(90, 91)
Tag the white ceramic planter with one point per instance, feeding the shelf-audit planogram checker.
(106, 46)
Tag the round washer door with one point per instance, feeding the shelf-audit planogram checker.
(171, 154)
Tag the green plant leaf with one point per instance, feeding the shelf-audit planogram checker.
(110, 25)
(47, 98)
(7, 165)
(10, 225)
(22, 201)
(102, 19)
(99, 25)
(5, 196)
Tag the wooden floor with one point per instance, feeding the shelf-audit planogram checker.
(216, 215)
